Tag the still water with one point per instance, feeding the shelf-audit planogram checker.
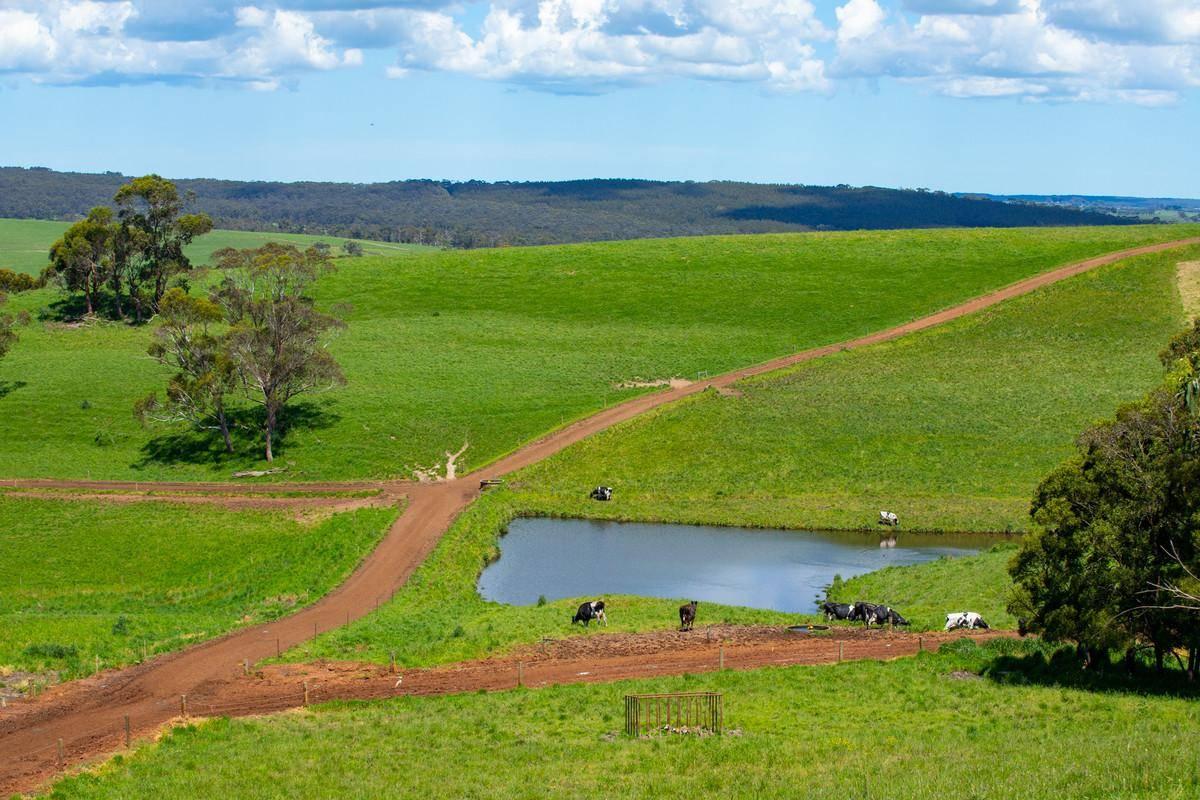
(780, 570)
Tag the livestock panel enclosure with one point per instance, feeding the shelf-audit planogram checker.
(681, 712)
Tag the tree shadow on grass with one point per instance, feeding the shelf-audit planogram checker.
(8, 387)
(205, 447)
(1036, 663)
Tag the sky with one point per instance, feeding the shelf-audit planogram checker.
(1003, 96)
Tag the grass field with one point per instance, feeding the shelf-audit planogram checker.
(918, 728)
(925, 593)
(951, 428)
(499, 346)
(961, 422)
(81, 580)
(24, 243)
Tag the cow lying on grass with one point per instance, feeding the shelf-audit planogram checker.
(965, 619)
(591, 610)
(687, 616)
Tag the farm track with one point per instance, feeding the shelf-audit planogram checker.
(85, 715)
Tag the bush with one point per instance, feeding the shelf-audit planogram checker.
(18, 281)
(51, 650)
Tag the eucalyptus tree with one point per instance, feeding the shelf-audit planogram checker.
(277, 341)
(82, 259)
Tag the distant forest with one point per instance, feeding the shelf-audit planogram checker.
(479, 214)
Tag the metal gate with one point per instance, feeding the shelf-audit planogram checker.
(696, 711)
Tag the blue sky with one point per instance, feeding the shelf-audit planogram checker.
(1007, 96)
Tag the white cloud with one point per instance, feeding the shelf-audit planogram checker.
(1128, 51)
(1021, 54)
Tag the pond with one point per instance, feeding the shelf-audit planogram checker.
(771, 569)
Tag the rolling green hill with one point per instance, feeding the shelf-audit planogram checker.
(24, 243)
(496, 347)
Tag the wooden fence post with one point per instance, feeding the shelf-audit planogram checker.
(840, 646)
(183, 705)
(277, 647)
(127, 734)
(60, 754)
(721, 664)
(520, 673)
(920, 644)
(306, 693)
(392, 666)
(245, 666)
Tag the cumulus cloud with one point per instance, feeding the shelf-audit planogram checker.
(1138, 51)
(1033, 52)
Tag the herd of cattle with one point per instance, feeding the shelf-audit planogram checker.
(867, 613)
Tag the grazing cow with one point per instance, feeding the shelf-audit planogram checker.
(862, 612)
(965, 619)
(591, 610)
(892, 618)
(889, 519)
(687, 616)
(601, 493)
(834, 611)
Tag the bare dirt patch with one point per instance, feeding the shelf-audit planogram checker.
(1188, 273)
(662, 383)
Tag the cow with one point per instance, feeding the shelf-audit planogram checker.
(834, 611)
(965, 619)
(687, 616)
(862, 612)
(603, 493)
(591, 610)
(891, 617)
(889, 519)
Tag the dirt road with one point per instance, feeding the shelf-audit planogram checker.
(82, 714)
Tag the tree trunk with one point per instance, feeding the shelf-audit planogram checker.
(269, 429)
(1158, 658)
(224, 423)
(1131, 659)
(1193, 662)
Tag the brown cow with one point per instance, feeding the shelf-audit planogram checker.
(687, 616)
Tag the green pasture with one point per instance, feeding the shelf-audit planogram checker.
(24, 243)
(496, 347)
(81, 580)
(968, 722)
(951, 429)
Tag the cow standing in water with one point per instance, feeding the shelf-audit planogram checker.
(687, 616)
(591, 610)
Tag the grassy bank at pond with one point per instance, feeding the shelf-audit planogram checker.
(951, 428)
(497, 347)
(24, 243)
(864, 729)
(81, 579)
(438, 616)
(925, 593)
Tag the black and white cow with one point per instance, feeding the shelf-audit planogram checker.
(965, 619)
(834, 611)
(889, 616)
(601, 493)
(889, 519)
(591, 610)
(862, 612)
(687, 616)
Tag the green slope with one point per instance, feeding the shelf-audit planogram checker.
(497, 347)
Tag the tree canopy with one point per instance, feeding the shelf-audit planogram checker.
(1117, 527)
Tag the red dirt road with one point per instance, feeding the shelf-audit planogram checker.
(82, 714)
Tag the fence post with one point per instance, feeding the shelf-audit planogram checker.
(306, 693)
(277, 647)
(392, 666)
(840, 646)
(721, 664)
(183, 705)
(245, 666)
(97, 665)
(314, 630)
(920, 644)
(60, 754)
(520, 673)
(127, 736)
